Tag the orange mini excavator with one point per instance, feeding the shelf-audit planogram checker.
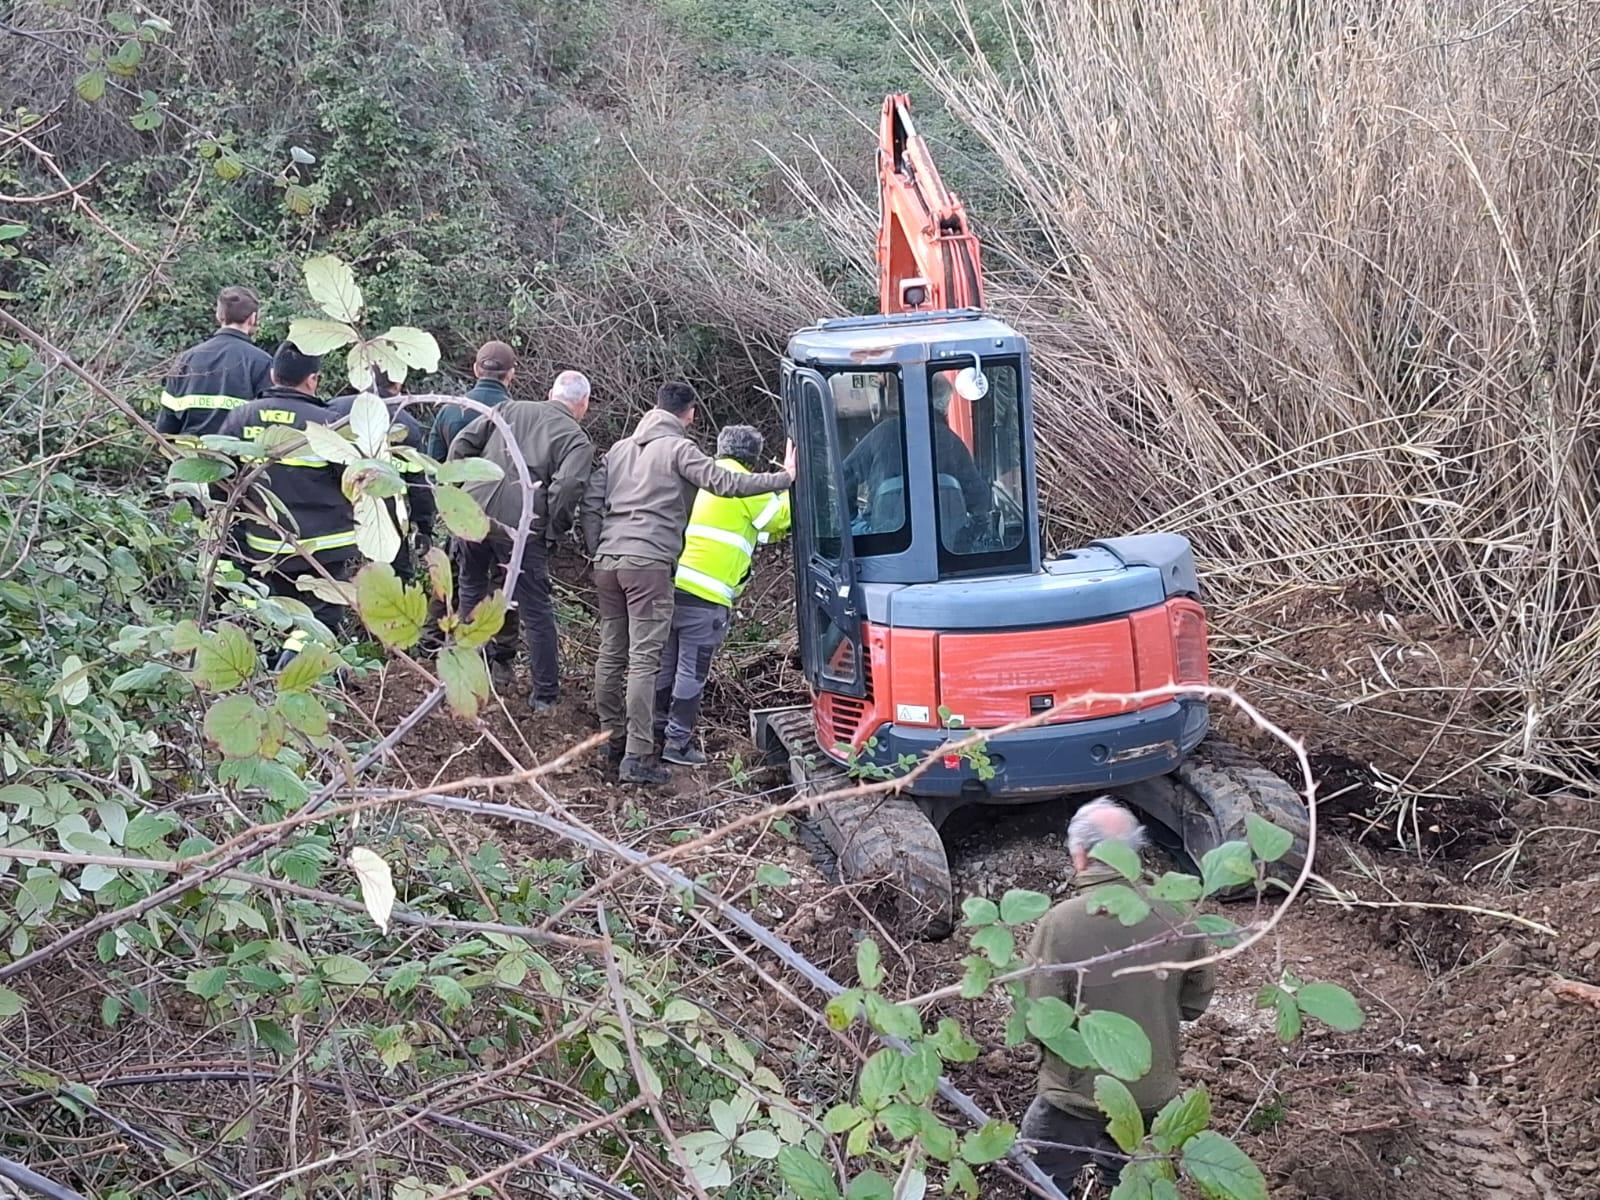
(926, 609)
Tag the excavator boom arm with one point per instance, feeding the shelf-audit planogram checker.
(928, 256)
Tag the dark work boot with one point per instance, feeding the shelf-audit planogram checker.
(503, 673)
(684, 755)
(540, 707)
(614, 751)
(648, 771)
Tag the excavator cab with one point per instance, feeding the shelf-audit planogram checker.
(925, 607)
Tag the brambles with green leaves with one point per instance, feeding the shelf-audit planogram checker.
(893, 1132)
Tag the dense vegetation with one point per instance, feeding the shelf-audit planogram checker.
(1352, 360)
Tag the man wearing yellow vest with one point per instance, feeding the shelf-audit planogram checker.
(718, 545)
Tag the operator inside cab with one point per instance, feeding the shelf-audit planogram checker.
(874, 470)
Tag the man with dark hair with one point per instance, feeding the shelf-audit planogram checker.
(313, 521)
(633, 516)
(495, 368)
(718, 547)
(559, 455)
(210, 380)
(416, 525)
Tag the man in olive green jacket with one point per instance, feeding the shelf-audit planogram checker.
(633, 517)
(1064, 1117)
(559, 455)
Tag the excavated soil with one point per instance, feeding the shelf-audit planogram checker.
(1474, 1076)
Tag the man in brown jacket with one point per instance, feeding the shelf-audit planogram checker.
(633, 517)
(559, 455)
(1064, 1113)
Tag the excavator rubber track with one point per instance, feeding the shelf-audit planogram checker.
(883, 839)
(889, 840)
(1207, 799)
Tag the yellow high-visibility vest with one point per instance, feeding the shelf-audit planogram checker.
(722, 536)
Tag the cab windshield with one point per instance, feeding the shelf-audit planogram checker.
(977, 450)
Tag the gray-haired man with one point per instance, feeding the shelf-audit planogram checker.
(559, 455)
(1064, 1116)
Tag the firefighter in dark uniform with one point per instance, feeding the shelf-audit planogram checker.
(416, 530)
(315, 520)
(223, 372)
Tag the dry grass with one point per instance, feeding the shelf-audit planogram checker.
(1312, 284)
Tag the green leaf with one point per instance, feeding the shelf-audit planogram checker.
(122, 22)
(1145, 1180)
(73, 687)
(469, 470)
(330, 444)
(332, 285)
(920, 1074)
(91, 85)
(1018, 907)
(869, 1186)
(440, 577)
(376, 534)
(224, 659)
(759, 1143)
(881, 1078)
(842, 1117)
(465, 679)
(938, 1139)
(273, 1036)
(997, 943)
(769, 875)
(1267, 841)
(951, 1043)
(345, 970)
(304, 713)
(960, 1178)
(1121, 858)
(869, 966)
(393, 611)
(317, 335)
(1227, 865)
(207, 983)
(806, 1174)
(1219, 929)
(415, 347)
(841, 1011)
(11, 231)
(487, 620)
(1222, 1170)
(988, 1144)
(896, 1020)
(126, 59)
(1177, 888)
(606, 1052)
(306, 669)
(461, 513)
(1050, 1016)
(196, 468)
(976, 980)
(1118, 1043)
(10, 1003)
(980, 911)
(110, 1011)
(1121, 901)
(237, 726)
(1126, 1122)
(1288, 1023)
(146, 829)
(1180, 1119)
(1332, 1005)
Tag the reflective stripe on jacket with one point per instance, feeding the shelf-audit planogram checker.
(723, 534)
(319, 520)
(208, 382)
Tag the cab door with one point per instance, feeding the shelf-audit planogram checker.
(825, 583)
